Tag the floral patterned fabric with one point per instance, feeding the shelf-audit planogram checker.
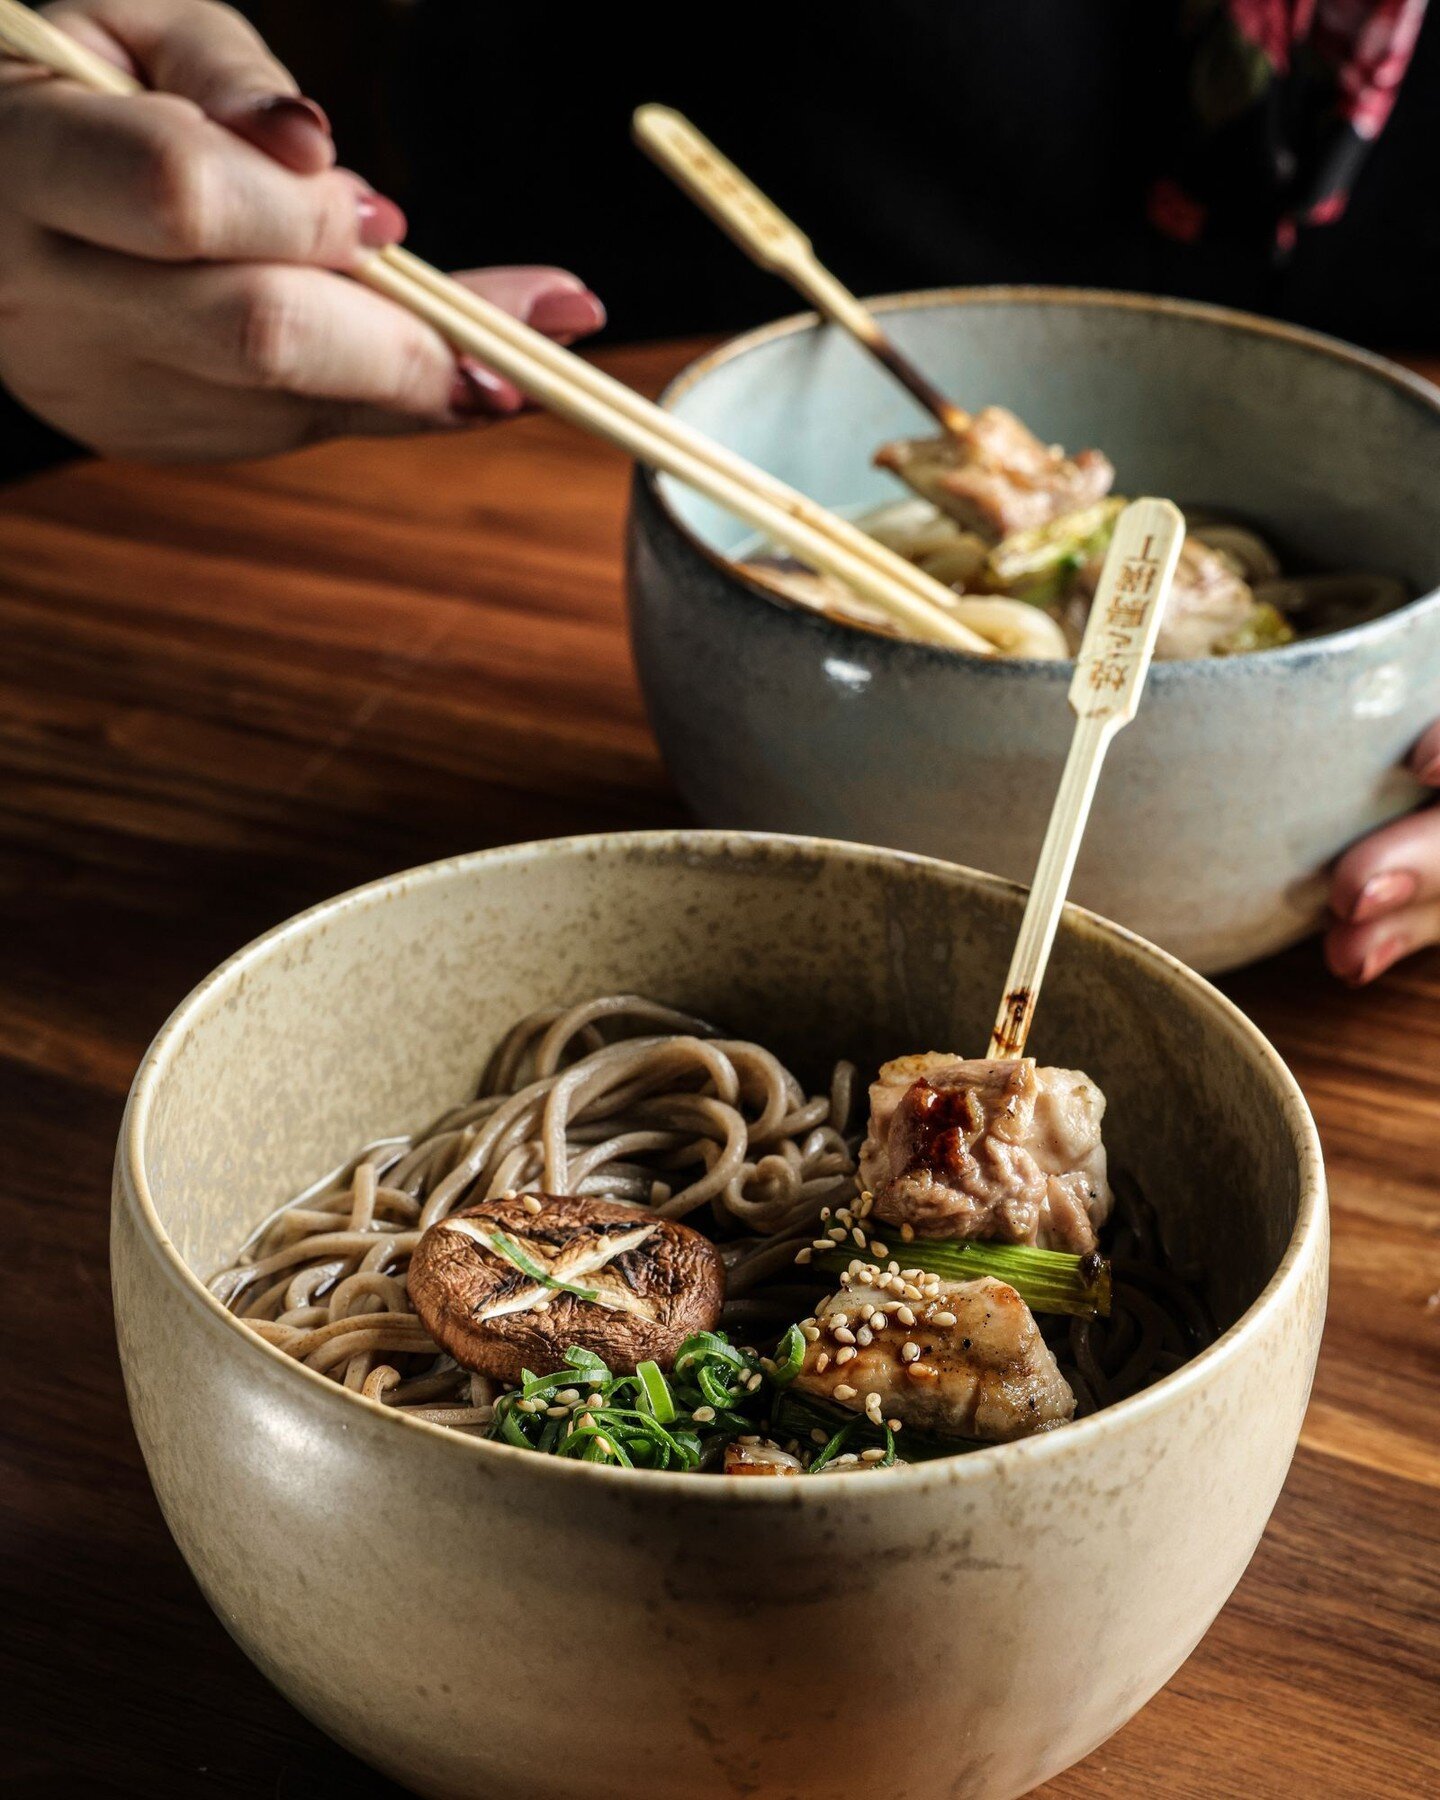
(1282, 100)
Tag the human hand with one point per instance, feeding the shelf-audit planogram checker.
(170, 263)
(1385, 891)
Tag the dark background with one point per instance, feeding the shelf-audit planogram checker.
(919, 142)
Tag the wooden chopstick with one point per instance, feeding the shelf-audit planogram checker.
(600, 404)
(1104, 695)
(776, 243)
(588, 397)
(684, 436)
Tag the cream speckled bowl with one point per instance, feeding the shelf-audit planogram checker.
(478, 1620)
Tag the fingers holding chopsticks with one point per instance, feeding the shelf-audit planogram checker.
(149, 255)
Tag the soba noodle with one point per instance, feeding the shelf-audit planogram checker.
(624, 1099)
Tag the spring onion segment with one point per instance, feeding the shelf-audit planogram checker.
(1048, 1281)
(716, 1392)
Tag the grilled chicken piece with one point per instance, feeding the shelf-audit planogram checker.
(998, 477)
(968, 1148)
(760, 1458)
(966, 1359)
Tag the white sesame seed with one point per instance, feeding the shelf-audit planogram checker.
(753, 1438)
(753, 1381)
(702, 1415)
(824, 1212)
(864, 1335)
(842, 1333)
(892, 1267)
(810, 1333)
(767, 1363)
(568, 1396)
(879, 1249)
(912, 1274)
(872, 1409)
(585, 1422)
(844, 1392)
(845, 1216)
(531, 1204)
(527, 1406)
(822, 1362)
(822, 1244)
(849, 1457)
(836, 1234)
(907, 1232)
(804, 1255)
(867, 1312)
(541, 1305)
(842, 1319)
(894, 1424)
(859, 1236)
(911, 1352)
(911, 1292)
(863, 1205)
(879, 1322)
(944, 1318)
(817, 1436)
(843, 1355)
(557, 1412)
(872, 1456)
(904, 1315)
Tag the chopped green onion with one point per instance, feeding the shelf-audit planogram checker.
(504, 1245)
(835, 1445)
(1051, 1281)
(657, 1391)
(789, 1357)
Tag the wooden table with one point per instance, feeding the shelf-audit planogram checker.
(227, 694)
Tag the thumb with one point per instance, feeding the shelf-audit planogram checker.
(209, 54)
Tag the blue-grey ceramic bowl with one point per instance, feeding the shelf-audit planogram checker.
(1222, 806)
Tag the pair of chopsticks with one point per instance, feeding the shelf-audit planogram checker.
(573, 388)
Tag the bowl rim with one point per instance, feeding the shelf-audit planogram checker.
(1226, 318)
(1308, 1236)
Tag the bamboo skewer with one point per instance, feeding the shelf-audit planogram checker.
(1104, 694)
(776, 243)
(590, 398)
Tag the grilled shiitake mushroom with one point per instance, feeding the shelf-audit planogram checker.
(513, 1284)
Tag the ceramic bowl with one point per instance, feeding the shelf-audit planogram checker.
(1240, 781)
(481, 1621)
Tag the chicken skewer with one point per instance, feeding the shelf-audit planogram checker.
(777, 244)
(992, 1149)
(987, 471)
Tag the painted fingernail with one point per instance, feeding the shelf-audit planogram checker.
(566, 311)
(1383, 893)
(293, 129)
(381, 221)
(479, 392)
(1387, 951)
(1429, 772)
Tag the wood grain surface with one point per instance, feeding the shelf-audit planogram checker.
(225, 694)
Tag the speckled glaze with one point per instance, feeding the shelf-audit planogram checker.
(1239, 782)
(440, 1605)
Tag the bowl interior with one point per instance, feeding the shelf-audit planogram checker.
(1335, 454)
(370, 1015)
